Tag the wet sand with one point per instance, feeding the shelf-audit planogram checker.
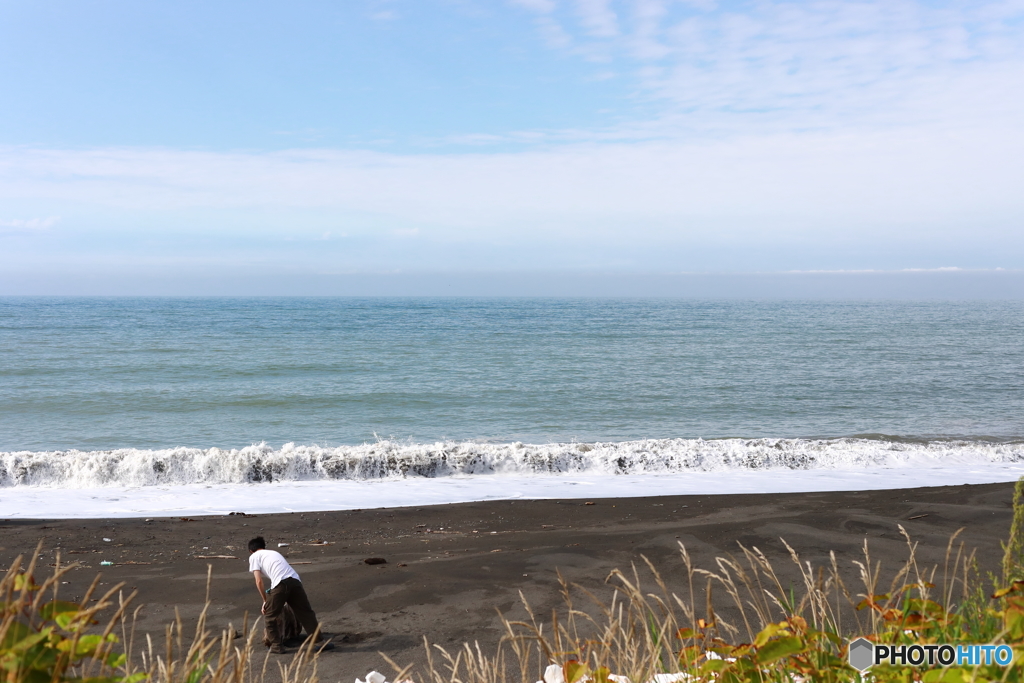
(450, 567)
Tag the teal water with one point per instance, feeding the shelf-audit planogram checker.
(94, 373)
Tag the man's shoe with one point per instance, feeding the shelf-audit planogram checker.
(278, 650)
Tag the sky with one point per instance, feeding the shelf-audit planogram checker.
(233, 147)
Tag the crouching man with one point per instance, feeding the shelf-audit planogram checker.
(285, 589)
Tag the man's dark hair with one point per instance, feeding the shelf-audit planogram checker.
(257, 544)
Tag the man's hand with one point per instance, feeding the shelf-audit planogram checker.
(263, 608)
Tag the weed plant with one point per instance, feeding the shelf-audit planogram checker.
(44, 639)
(786, 635)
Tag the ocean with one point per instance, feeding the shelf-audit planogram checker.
(153, 406)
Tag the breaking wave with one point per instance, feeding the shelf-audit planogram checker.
(389, 459)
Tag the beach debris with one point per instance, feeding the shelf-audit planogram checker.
(373, 677)
(547, 526)
(186, 519)
(918, 516)
(216, 557)
(589, 502)
(402, 564)
(375, 560)
(555, 673)
(105, 563)
(237, 514)
(667, 678)
(282, 545)
(107, 540)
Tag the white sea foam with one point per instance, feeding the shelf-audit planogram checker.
(309, 496)
(390, 460)
(140, 483)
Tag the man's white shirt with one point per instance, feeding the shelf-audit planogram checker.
(273, 565)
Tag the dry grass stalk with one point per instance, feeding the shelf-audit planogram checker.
(639, 634)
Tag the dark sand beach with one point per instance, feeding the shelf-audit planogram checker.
(451, 568)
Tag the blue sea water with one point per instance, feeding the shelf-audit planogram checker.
(139, 391)
(156, 373)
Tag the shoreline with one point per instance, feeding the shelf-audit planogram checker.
(319, 495)
(449, 567)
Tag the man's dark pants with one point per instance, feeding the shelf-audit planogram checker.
(289, 592)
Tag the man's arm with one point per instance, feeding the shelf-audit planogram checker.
(258, 575)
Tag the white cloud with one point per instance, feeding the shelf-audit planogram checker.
(598, 17)
(844, 124)
(539, 6)
(933, 182)
(800, 65)
(552, 32)
(28, 224)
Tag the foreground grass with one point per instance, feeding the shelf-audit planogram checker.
(673, 633)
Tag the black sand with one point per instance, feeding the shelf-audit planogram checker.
(450, 567)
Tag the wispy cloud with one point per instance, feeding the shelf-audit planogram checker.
(801, 65)
(28, 224)
(940, 269)
(924, 180)
(598, 18)
(540, 6)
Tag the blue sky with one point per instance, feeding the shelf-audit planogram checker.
(171, 141)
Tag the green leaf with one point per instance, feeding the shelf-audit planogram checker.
(87, 645)
(66, 619)
(40, 657)
(1012, 588)
(950, 675)
(51, 609)
(114, 660)
(713, 665)
(28, 641)
(777, 649)
(769, 632)
(25, 582)
(574, 671)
